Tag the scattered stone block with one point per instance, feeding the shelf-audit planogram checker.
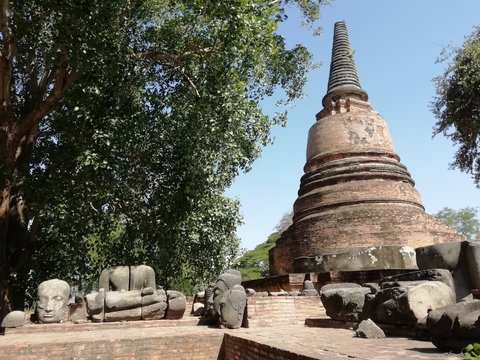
(455, 326)
(409, 302)
(344, 303)
(13, 319)
(309, 289)
(369, 330)
(177, 303)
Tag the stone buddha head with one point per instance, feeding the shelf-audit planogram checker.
(52, 300)
(225, 282)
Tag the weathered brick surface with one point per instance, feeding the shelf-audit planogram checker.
(285, 310)
(130, 343)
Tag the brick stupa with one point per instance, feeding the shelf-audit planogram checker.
(355, 191)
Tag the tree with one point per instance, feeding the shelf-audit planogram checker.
(456, 105)
(122, 122)
(465, 221)
(254, 264)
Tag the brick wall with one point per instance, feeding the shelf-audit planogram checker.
(285, 310)
(104, 345)
(237, 348)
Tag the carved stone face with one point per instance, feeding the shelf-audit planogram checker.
(232, 307)
(52, 300)
(218, 291)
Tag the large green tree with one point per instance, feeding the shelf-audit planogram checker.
(465, 221)
(457, 104)
(254, 264)
(122, 122)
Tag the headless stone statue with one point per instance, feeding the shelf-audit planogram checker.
(52, 301)
(127, 278)
(127, 293)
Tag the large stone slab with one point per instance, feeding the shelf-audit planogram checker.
(360, 258)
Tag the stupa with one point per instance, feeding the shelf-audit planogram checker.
(355, 192)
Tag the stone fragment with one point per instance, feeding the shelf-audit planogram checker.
(198, 309)
(232, 307)
(439, 256)
(369, 330)
(339, 286)
(453, 257)
(344, 303)
(441, 275)
(309, 289)
(409, 303)
(13, 319)
(455, 326)
(250, 292)
(177, 303)
(473, 262)
(374, 287)
(96, 305)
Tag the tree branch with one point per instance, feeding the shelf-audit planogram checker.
(175, 58)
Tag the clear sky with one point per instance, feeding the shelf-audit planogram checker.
(396, 43)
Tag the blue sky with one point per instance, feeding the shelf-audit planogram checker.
(396, 43)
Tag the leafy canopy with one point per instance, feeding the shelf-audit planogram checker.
(457, 105)
(465, 221)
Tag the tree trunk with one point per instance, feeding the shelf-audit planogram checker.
(5, 306)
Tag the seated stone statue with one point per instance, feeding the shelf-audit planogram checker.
(226, 299)
(52, 301)
(127, 293)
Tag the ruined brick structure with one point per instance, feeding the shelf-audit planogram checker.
(355, 191)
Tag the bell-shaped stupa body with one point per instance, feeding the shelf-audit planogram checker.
(355, 192)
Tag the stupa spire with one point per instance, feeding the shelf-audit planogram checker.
(343, 76)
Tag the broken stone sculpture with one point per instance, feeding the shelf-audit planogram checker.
(129, 293)
(232, 307)
(343, 303)
(13, 319)
(232, 302)
(455, 326)
(369, 330)
(177, 303)
(400, 299)
(52, 301)
(127, 278)
(309, 289)
(408, 302)
(462, 259)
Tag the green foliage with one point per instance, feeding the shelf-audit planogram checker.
(456, 105)
(472, 351)
(465, 221)
(254, 264)
(161, 112)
